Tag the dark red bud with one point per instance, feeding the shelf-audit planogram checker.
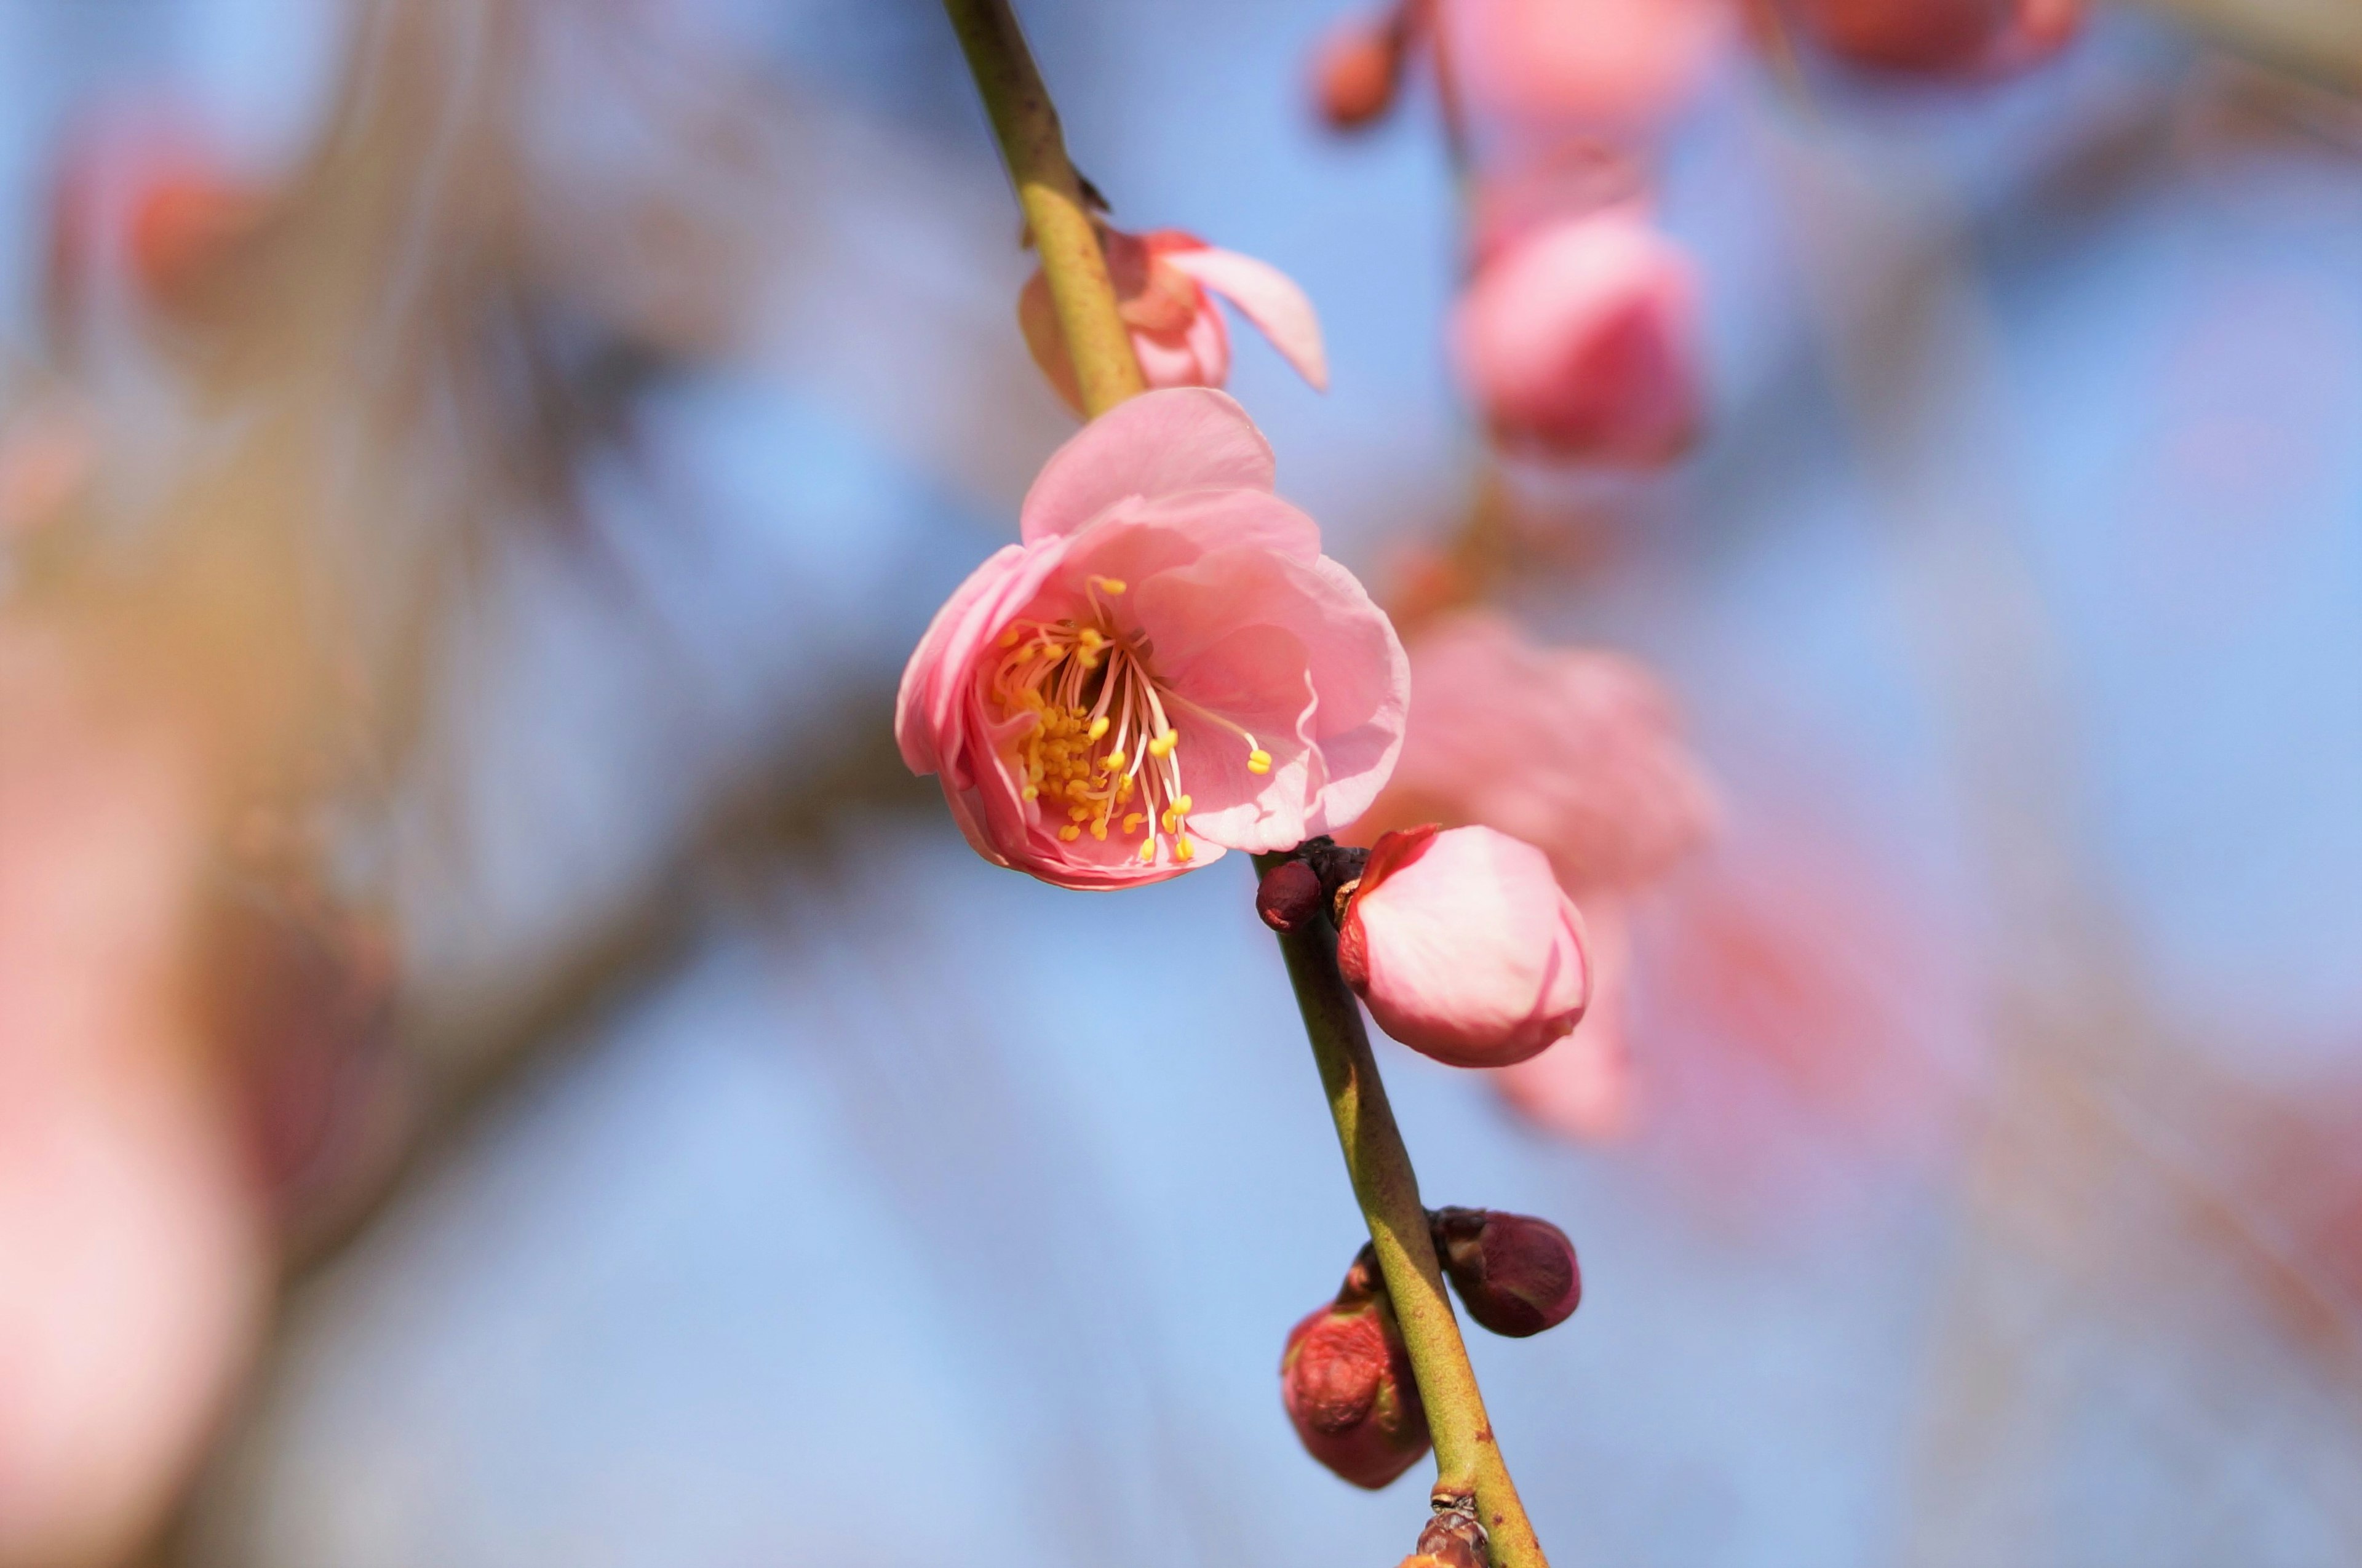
(1346, 1380)
(1516, 1274)
(1356, 72)
(1288, 898)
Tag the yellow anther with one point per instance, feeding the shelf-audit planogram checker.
(1147, 850)
(1114, 760)
(1009, 639)
(1182, 804)
(1099, 829)
(1109, 584)
(1184, 850)
(1070, 833)
(1258, 761)
(1078, 813)
(1132, 822)
(1099, 726)
(1161, 747)
(1031, 793)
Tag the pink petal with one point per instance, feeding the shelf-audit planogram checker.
(1266, 296)
(1296, 652)
(1157, 444)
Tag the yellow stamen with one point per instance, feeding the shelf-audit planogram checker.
(1184, 850)
(1070, 833)
(1258, 761)
(1099, 726)
(1161, 747)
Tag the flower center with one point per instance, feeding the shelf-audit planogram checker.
(1101, 747)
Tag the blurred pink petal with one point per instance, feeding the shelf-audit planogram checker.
(1583, 1087)
(1575, 750)
(1167, 655)
(1579, 342)
(1161, 281)
(1463, 946)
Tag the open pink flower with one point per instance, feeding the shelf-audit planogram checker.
(1578, 340)
(1940, 36)
(1167, 660)
(1607, 65)
(1464, 947)
(1163, 280)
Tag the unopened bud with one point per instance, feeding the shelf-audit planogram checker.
(1288, 898)
(1346, 1380)
(1516, 1274)
(1357, 72)
(1452, 1540)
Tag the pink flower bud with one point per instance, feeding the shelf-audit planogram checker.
(1165, 282)
(1288, 898)
(1463, 946)
(1346, 1379)
(1516, 1274)
(1578, 341)
(1357, 70)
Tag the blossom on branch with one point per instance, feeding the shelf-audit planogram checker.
(1164, 282)
(1165, 668)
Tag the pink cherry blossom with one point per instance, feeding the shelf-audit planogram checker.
(1579, 341)
(1164, 281)
(1464, 947)
(1575, 750)
(1607, 65)
(1940, 36)
(1167, 660)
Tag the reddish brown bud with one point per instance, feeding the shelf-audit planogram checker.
(1356, 72)
(1289, 898)
(1346, 1380)
(1452, 1540)
(1516, 1274)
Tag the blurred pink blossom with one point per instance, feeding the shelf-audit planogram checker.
(1575, 750)
(1164, 281)
(1464, 947)
(1167, 658)
(1620, 66)
(1578, 341)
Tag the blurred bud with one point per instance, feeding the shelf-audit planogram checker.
(1357, 70)
(1346, 1380)
(1516, 1274)
(1577, 342)
(1939, 37)
(1464, 947)
(1288, 898)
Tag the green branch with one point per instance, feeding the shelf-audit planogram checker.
(1467, 1458)
(1026, 124)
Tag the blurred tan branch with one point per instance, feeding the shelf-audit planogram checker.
(2319, 39)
